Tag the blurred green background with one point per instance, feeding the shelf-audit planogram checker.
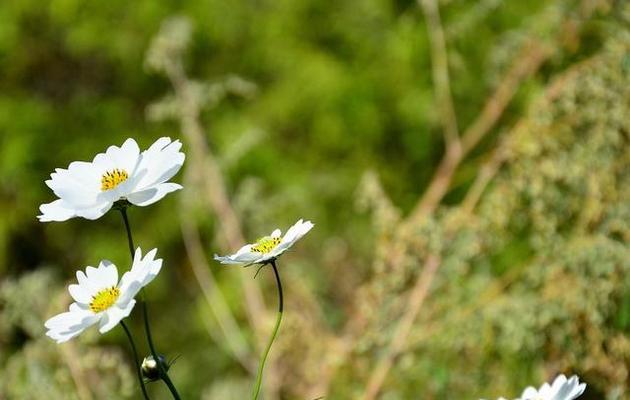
(516, 271)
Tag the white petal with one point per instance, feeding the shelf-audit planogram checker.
(152, 194)
(80, 294)
(295, 233)
(243, 256)
(86, 174)
(71, 189)
(58, 211)
(106, 275)
(81, 277)
(61, 337)
(95, 212)
(558, 382)
(546, 391)
(225, 259)
(123, 157)
(276, 233)
(579, 390)
(65, 326)
(142, 272)
(529, 393)
(109, 273)
(159, 163)
(113, 315)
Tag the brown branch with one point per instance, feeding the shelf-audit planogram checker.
(70, 356)
(487, 172)
(205, 278)
(499, 154)
(215, 191)
(439, 69)
(531, 58)
(416, 299)
(525, 65)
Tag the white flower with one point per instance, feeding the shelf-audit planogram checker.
(561, 389)
(89, 189)
(269, 247)
(100, 298)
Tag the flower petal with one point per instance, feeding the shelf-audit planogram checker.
(113, 315)
(153, 194)
(159, 163)
(243, 256)
(63, 327)
(142, 272)
(529, 393)
(80, 294)
(57, 211)
(294, 233)
(95, 212)
(125, 157)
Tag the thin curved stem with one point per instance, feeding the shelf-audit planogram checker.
(163, 374)
(261, 367)
(135, 360)
(132, 248)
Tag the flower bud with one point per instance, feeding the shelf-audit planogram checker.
(150, 369)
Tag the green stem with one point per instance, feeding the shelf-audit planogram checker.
(261, 367)
(135, 360)
(132, 249)
(163, 374)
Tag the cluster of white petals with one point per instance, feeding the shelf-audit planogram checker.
(561, 389)
(100, 298)
(90, 189)
(269, 247)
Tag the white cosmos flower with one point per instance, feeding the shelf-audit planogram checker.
(561, 389)
(89, 189)
(269, 247)
(100, 298)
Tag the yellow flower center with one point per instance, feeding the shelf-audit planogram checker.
(113, 178)
(104, 299)
(266, 244)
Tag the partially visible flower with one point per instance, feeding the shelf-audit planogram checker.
(100, 298)
(561, 389)
(90, 189)
(268, 248)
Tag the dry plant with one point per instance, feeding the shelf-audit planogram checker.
(433, 284)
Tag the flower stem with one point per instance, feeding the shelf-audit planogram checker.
(132, 249)
(135, 360)
(163, 374)
(273, 335)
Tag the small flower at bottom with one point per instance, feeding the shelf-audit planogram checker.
(90, 189)
(99, 297)
(561, 389)
(267, 248)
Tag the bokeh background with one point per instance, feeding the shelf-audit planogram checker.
(465, 162)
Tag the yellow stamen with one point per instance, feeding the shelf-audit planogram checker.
(104, 299)
(266, 244)
(113, 178)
